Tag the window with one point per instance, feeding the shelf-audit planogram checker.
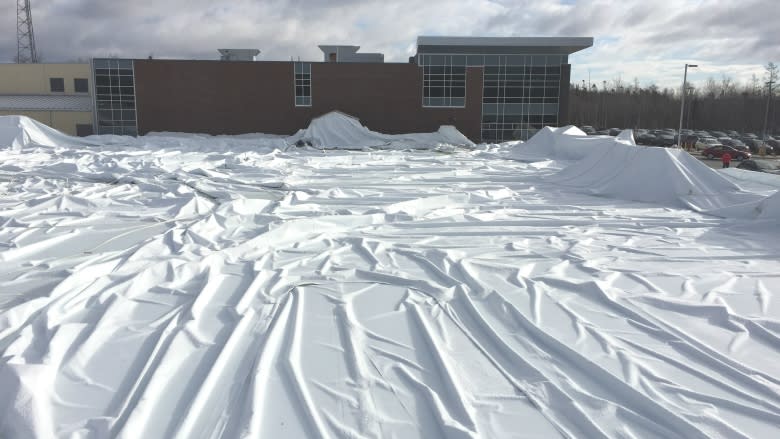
(444, 81)
(81, 85)
(520, 95)
(302, 84)
(83, 130)
(57, 84)
(114, 97)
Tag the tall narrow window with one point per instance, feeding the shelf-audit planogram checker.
(115, 97)
(302, 84)
(444, 82)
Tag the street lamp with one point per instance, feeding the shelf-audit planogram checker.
(682, 103)
(768, 100)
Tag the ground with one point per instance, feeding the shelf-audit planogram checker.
(166, 289)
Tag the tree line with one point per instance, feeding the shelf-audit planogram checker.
(722, 104)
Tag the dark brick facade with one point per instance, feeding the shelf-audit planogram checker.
(243, 97)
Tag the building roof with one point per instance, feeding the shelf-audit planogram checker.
(238, 54)
(345, 53)
(46, 102)
(443, 44)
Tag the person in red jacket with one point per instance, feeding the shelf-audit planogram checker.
(726, 159)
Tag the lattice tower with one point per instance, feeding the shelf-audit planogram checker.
(25, 37)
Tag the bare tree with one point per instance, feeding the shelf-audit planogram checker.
(713, 105)
(771, 73)
(771, 76)
(753, 87)
(711, 88)
(727, 86)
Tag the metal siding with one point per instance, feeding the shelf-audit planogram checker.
(81, 102)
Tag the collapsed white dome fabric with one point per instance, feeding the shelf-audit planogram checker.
(766, 208)
(671, 177)
(331, 130)
(565, 143)
(339, 130)
(20, 131)
(616, 167)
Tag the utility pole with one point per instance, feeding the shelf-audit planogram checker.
(682, 103)
(768, 100)
(25, 37)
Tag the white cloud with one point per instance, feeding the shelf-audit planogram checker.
(634, 38)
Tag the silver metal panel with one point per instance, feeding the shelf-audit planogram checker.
(349, 54)
(238, 54)
(484, 45)
(46, 102)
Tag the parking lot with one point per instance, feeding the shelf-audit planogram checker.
(717, 164)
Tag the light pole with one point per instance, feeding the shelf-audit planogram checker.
(682, 103)
(768, 100)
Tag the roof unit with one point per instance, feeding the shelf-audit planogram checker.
(349, 54)
(238, 54)
(502, 45)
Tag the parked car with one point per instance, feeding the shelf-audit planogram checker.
(755, 145)
(775, 144)
(734, 143)
(707, 142)
(665, 139)
(646, 139)
(688, 140)
(717, 152)
(614, 131)
(718, 134)
(587, 129)
(769, 166)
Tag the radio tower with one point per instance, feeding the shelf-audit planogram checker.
(25, 38)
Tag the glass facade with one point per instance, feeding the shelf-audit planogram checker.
(520, 96)
(444, 82)
(114, 81)
(302, 84)
(520, 93)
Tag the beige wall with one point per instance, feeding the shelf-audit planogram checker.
(34, 78)
(64, 121)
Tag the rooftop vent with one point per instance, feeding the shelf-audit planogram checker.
(349, 54)
(238, 54)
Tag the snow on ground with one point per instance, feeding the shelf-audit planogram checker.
(196, 286)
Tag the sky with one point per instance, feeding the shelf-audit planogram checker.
(646, 41)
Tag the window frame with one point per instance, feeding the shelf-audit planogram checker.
(52, 81)
(302, 83)
(444, 83)
(115, 106)
(520, 95)
(84, 81)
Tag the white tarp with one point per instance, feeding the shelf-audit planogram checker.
(565, 143)
(19, 131)
(334, 130)
(187, 286)
(616, 167)
(338, 130)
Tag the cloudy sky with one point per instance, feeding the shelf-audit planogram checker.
(647, 40)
